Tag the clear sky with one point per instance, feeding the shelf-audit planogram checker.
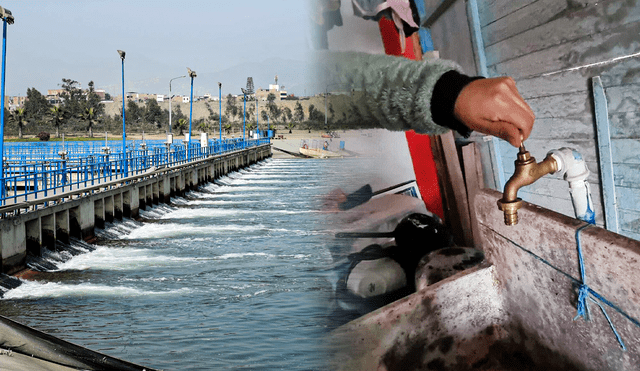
(222, 40)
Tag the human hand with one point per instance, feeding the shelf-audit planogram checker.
(494, 106)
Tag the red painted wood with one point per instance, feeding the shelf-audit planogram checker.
(391, 40)
(424, 166)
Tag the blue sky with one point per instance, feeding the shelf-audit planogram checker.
(221, 40)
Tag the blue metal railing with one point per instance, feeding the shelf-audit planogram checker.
(35, 170)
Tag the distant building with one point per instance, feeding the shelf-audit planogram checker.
(160, 98)
(185, 99)
(15, 102)
(262, 94)
(101, 93)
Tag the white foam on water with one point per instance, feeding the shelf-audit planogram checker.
(179, 201)
(108, 258)
(35, 289)
(267, 181)
(219, 202)
(248, 188)
(203, 213)
(156, 212)
(161, 230)
(264, 176)
(226, 212)
(244, 255)
(222, 194)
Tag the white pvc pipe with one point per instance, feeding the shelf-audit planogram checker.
(575, 171)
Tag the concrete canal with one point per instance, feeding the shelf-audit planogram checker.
(231, 274)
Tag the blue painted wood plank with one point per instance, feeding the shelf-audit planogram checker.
(487, 165)
(478, 45)
(604, 151)
(499, 170)
(624, 125)
(627, 175)
(476, 37)
(625, 151)
(630, 223)
(426, 43)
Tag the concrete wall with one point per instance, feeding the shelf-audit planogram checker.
(514, 312)
(30, 232)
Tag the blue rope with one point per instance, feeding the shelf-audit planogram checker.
(584, 291)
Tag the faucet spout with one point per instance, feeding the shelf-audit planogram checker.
(527, 172)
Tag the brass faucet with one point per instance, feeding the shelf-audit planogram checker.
(526, 173)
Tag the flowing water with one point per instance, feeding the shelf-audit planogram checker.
(232, 276)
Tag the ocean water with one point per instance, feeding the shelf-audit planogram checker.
(231, 276)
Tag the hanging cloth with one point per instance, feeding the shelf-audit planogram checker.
(401, 11)
(325, 14)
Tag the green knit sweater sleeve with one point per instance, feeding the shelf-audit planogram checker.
(388, 92)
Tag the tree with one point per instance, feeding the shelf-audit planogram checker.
(231, 109)
(332, 112)
(271, 98)
(287, 114)
(203, 126)
(36, 106)
(20, 118)
(181, 124)
(71, 97)
(298, 114)
(134, 113)
(250, 111)
(227, 128)
(90, 117)
(290, 126)
(213, 116)
(250, 126)
(93, 100)
(58, 116)
(177, 115)
(153, 113)
(315, 114)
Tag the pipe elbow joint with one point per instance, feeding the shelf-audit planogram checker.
(571, 165)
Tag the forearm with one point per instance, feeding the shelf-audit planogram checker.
(391, 92)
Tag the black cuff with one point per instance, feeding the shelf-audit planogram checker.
(443, 100)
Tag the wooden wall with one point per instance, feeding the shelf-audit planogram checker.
(450, 33)
(547, 46)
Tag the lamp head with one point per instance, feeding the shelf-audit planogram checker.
(122, 53)
(192, 74)
(6, 15)
(243, 91)
(220, 85)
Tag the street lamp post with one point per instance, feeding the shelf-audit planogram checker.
(220, 111)
(124, 134)
(7, 17)
(171, 99)
(192, 74)
(257, 115)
